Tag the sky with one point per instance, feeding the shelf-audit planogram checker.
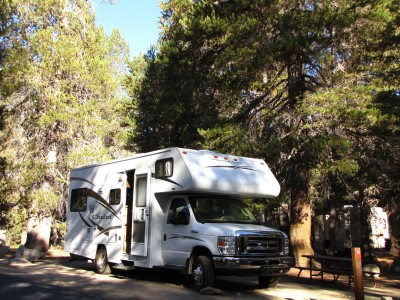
(136, 20)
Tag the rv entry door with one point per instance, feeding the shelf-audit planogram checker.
(141, 213)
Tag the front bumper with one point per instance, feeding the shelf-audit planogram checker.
(270, 266)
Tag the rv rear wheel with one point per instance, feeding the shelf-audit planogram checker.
(203, 272)
(102, 265)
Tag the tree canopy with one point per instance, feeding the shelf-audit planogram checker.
(61, 100)
(311, 86)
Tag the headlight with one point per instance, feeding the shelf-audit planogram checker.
(285, 248)
(226, 245)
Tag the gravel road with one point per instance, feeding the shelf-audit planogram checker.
(62, 278)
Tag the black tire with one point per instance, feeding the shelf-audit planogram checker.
(203, 272)
(101, 261)
(265, 282)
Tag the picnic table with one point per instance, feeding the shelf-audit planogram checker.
(333, 265)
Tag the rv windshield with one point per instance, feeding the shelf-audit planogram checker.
(215, 209)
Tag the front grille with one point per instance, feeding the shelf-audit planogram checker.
(265, 244)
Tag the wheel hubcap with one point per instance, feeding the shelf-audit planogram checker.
(101, 262)
(198, 275)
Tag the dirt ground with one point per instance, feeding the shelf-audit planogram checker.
(57, 276)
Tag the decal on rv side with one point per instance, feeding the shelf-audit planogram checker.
(106, 230)
(98, 217)
(84, 221)
(102, 202)
(236, 167)
(101, 217)
(171, 181)
(91, 193)
(185, 237)
(97, 226)
(82, 179)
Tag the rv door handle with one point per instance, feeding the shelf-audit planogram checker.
(165, 237)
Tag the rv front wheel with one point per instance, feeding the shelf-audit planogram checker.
(203, 272)
(102, 265)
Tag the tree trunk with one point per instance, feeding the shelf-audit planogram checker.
(367, 245)
(300, 208)
(332, 227)
(394, 225)
(284, 223)
(300, 213)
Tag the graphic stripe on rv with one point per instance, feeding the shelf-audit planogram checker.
(97, 226)
(102, 202)
(82, 179)
(177, 236)
(97, 197)
(84, 221)
(236, 167)
(106, 230)
(171, 181)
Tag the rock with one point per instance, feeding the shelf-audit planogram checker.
(371, 268)
(20, 251)
(395, 265)
(32, 255)
(38, 235)
(19, 261)
(4, 250)
(210, 291)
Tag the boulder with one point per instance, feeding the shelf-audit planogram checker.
(38, 234)
(371, 268)
(4, 250)
(210, 291)
(19, 261)
(32, 255)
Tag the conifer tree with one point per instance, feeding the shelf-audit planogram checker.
(61, 101)
(303, 84)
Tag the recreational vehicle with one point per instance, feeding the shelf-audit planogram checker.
(347, 231)
(176, 209)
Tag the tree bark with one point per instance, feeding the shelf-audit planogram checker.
(284, 223)
(300, 213)
(332, 227)
(394, 225)
(367, 244)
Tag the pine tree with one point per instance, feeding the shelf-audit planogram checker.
(292, 82)
(61, 100)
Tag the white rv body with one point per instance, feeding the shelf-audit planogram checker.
(124, 206)
(348, 229)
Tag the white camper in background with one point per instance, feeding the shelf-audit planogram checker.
(179, 209)
(348, 229)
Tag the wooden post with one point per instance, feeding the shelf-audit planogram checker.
(357, 273)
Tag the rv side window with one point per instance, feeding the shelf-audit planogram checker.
(141, 191)
(178, 212)
(115, 196)
(164, 167)
(78, 200)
